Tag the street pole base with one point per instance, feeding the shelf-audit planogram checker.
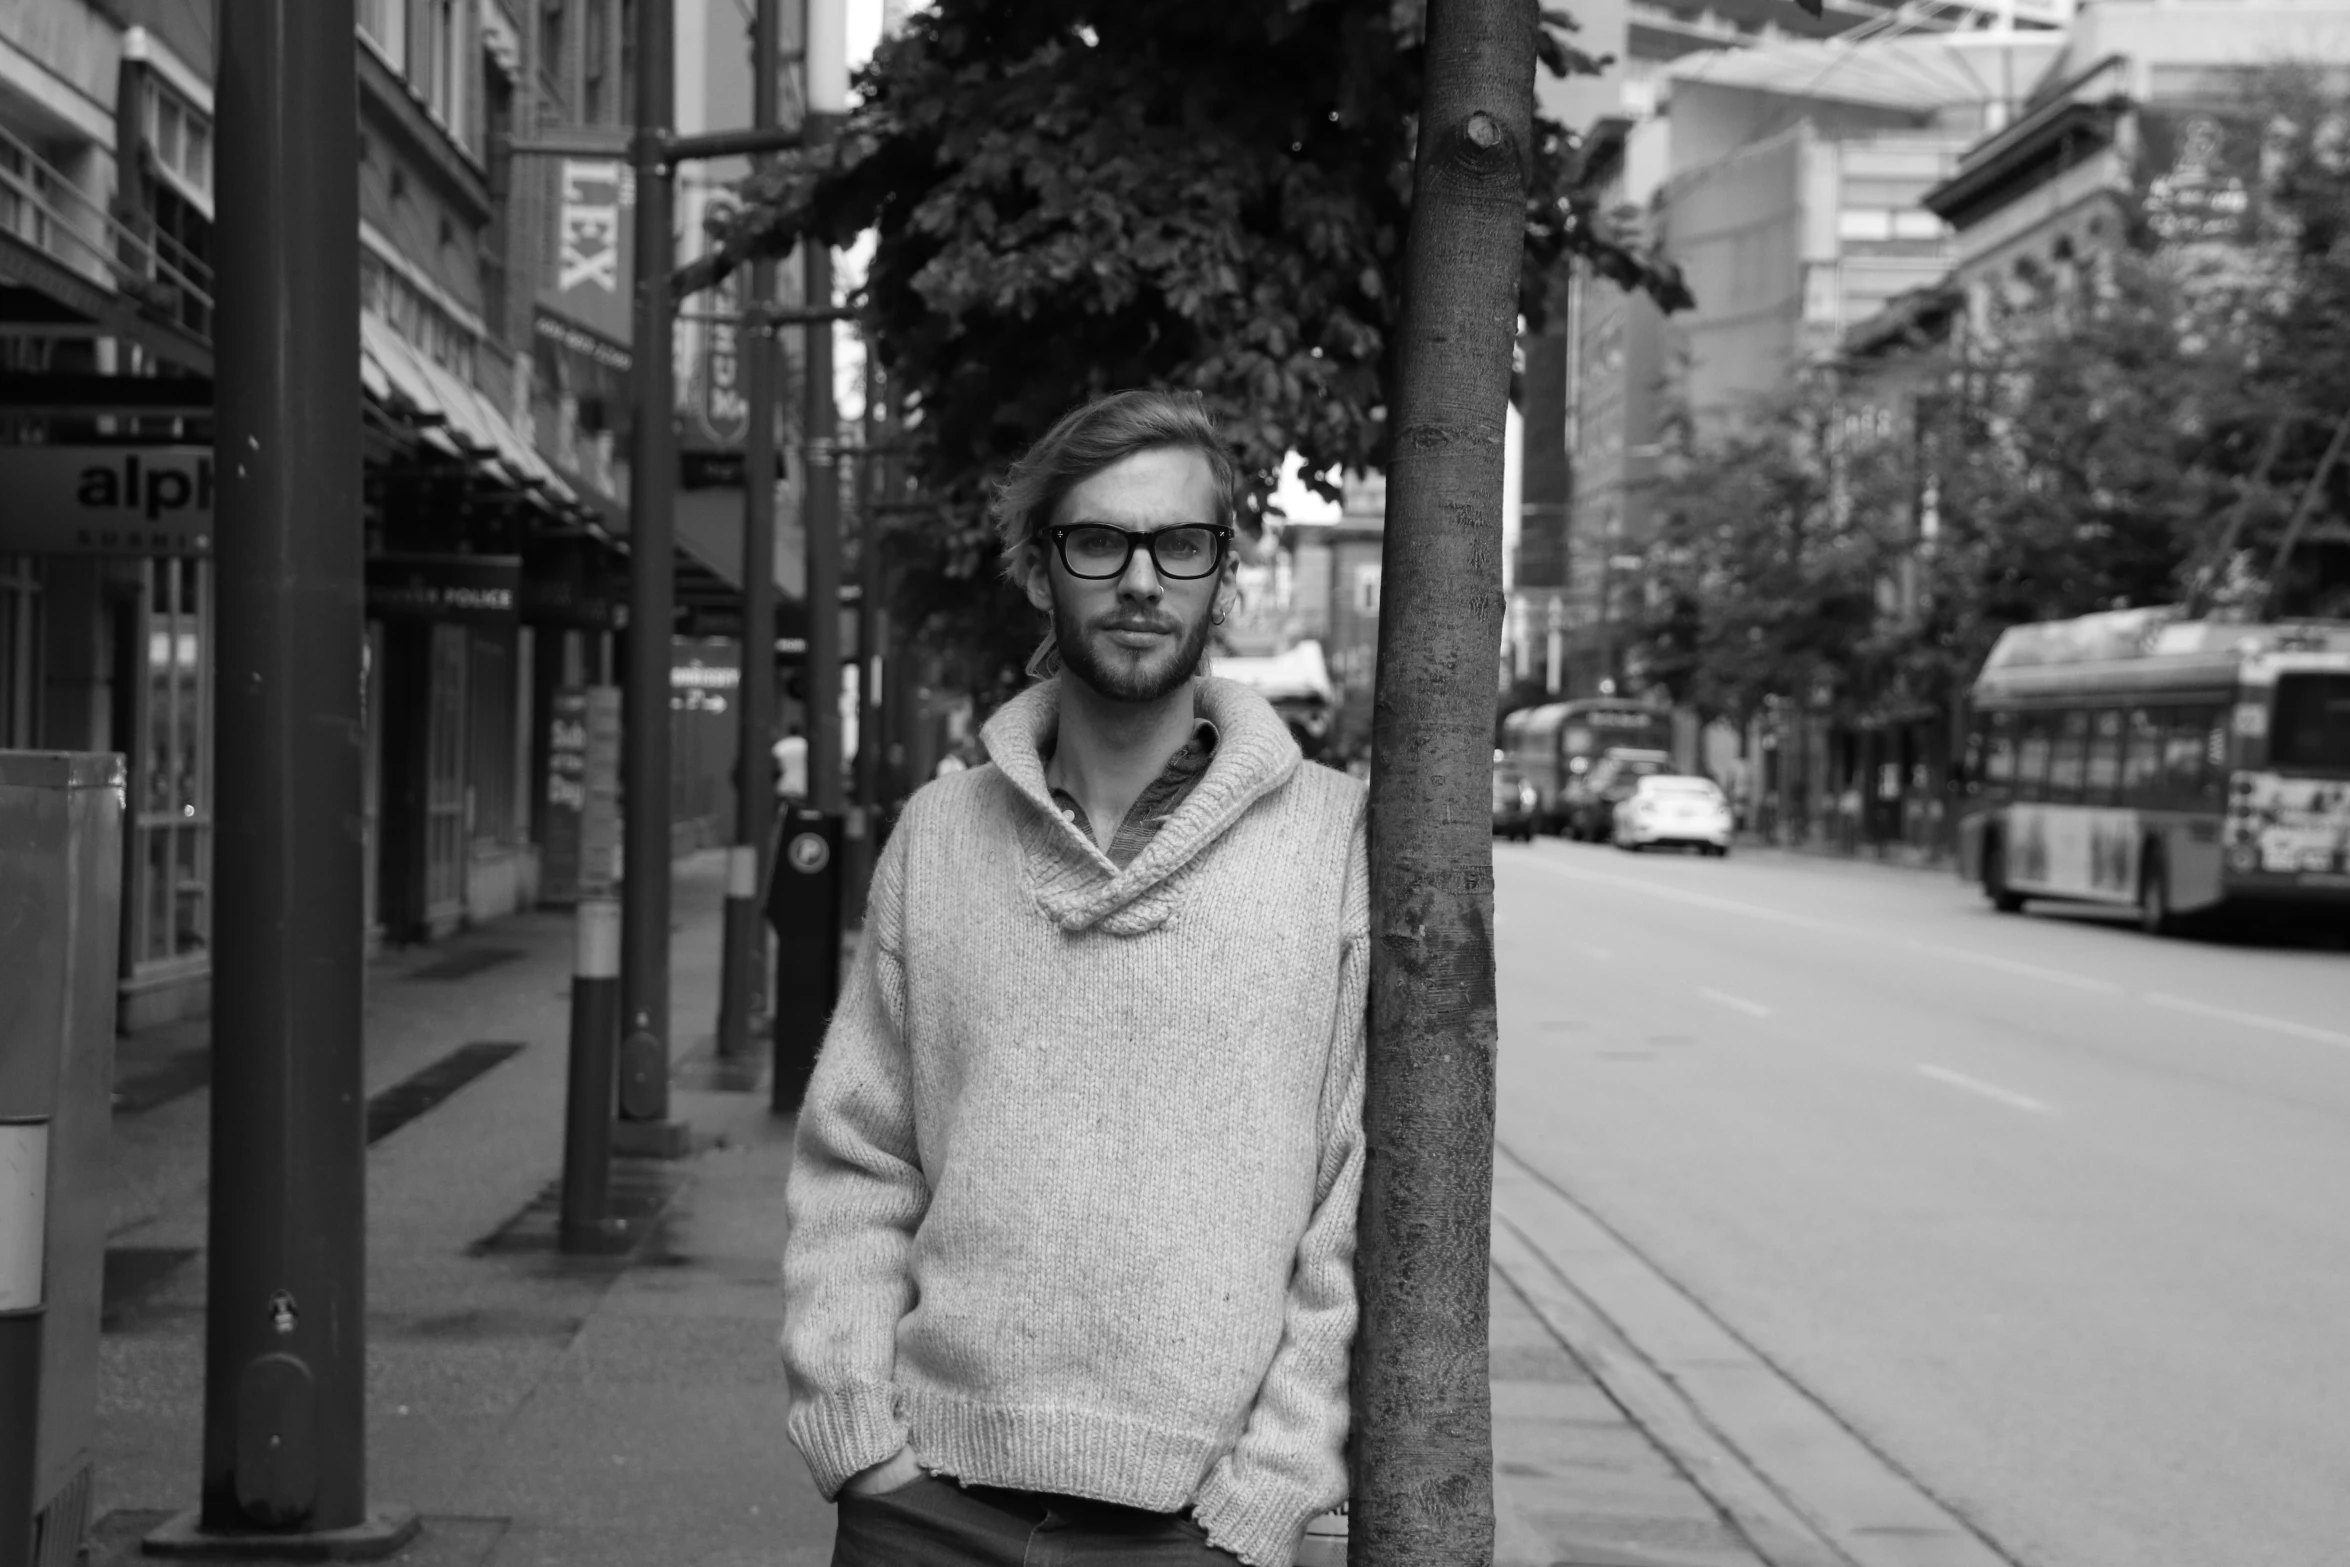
(386, 1530)
(598, 1238)
(651, 1139)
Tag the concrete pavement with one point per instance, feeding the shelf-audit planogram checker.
(541, 1410)
(2031, 1218)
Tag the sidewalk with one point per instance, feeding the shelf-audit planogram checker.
(543, 1410)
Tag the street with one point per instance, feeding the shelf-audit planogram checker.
(2047, 1211)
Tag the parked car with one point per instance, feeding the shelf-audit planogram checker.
(1515, 804)
(1670, 809)
(1591, 818)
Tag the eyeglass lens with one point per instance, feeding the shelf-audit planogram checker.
(1095, 551)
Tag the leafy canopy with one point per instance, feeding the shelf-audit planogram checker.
(1069, 197)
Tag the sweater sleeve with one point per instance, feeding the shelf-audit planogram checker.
(1289, 1465)
(854, 1199)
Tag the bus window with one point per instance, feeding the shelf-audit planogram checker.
(2182, 754)
(2031, 763)
(2311, 726)
(2142, 757)
(2102, 776)
(1999, 753)
(2065, 762)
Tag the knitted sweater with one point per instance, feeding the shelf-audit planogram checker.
(1072, 1206)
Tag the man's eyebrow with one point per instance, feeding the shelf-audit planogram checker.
(1147, 526)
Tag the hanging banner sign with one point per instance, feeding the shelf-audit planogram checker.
(593, 279)
(106, 500)
(719, 408)
(477, 589)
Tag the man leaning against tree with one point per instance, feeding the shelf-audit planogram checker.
(1070, 1271)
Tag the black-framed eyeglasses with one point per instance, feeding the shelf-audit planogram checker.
(1096, 551)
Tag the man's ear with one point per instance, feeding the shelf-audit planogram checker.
(1036, 576)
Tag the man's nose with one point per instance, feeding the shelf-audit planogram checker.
(1140, 579)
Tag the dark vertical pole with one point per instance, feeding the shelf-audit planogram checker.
(740, 990)
(644, 921)
(284, 1367)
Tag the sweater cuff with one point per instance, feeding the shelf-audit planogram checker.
(844, 1432)
(1261, 1523)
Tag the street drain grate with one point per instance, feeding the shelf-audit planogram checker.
(409, 1098)
(466, 964)
(133, 1273)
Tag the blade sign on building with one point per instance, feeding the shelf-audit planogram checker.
(719, 404)
(2201, 172)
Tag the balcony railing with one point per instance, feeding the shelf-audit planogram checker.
(158, 277)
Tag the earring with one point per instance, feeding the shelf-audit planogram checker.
(1216, 619)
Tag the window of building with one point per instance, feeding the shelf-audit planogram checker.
(1917, 223)
(1367, 590)
(444, 46)
(180, 136)
(25, 196)
(599, 104)
(385, 25)
(1864, 223)
(171, 768)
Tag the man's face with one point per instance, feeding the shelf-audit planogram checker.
(1138, 636)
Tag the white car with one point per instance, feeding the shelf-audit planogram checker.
(1667, 808)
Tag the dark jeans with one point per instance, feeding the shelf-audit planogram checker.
(937, 1523)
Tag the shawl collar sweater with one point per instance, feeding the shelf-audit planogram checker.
(1072, 1206)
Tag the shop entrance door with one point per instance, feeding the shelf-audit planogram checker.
(445, 832)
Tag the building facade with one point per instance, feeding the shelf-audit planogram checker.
(492, 351)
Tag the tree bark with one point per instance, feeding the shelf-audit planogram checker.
(1423, 1446)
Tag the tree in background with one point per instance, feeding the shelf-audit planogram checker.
(1069, 197)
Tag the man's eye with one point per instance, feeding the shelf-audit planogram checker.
(1099, 543)
(1182, 544)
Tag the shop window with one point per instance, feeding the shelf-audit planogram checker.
(490, 778)
(171, 768)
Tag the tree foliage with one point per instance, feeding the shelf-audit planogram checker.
(1069, 197)
(2132, 429)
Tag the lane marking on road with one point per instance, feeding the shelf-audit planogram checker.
(1723, 998)
(1975, 1085)
(2276, 1025)
(1771, 916)
(2103, 987)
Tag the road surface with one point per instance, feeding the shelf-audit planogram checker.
(2055, 1215)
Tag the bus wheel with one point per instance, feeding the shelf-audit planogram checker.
(2154, 910)
(1995, 887)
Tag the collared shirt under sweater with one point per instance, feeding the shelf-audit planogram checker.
(1072, 1208)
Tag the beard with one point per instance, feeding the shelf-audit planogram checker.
(1121, 674)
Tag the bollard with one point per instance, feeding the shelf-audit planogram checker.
(24, 1212)
(803, 904)
(587, 1223)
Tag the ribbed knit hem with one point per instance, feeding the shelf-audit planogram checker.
(847, 1431)
(1070, 1451)
(1261, 1524)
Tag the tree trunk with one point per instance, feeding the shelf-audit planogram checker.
(1423, 1445)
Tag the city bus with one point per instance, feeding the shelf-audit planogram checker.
(2177, 767)
(1555, 745)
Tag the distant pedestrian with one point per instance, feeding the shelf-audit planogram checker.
(791, 765)
(1073, 1206)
